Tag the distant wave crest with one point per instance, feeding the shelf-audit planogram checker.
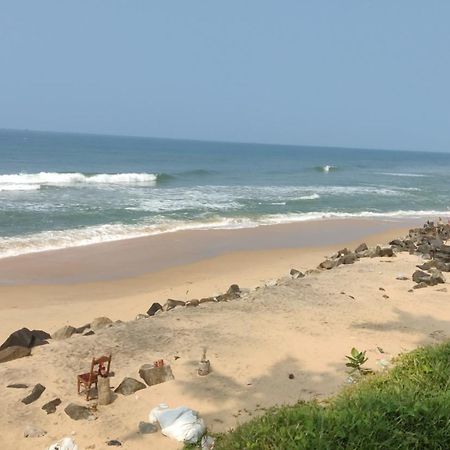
(326, 168)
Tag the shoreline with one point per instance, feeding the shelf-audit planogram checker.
(137, 256)
(194, 273)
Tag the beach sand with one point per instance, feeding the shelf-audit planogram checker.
(303, 327)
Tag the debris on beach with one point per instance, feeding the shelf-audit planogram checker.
(33, 432)
(154, 373)
(66, 443)
(182, 424)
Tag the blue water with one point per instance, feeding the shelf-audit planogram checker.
(59, 190)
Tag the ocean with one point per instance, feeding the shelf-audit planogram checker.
(62, 190)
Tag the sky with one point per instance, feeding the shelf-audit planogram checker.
(355, 73)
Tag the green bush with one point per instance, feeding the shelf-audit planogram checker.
(407, 407)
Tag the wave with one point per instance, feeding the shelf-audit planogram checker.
(54, 240)
(402, 174)
(74, 178)
(309, 197)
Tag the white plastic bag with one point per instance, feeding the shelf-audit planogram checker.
(182, 424)
(64, 444)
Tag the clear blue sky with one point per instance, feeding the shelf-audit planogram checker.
(339, 72)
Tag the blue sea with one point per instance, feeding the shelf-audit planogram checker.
(61, 190)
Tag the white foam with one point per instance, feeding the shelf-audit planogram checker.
(53, 240)
(402, 174)
(57, 178)
(19, 187)
(309, 197)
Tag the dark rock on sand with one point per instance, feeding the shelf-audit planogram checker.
(193, 302)
(129, 386)
(17, 386)
(26, 338)
(14, 352)
(349, 258)
(64, 332)
(402, 278)
(171, 304)
(361, 248)
(114, 443)
(89, 333)
(154, 309)
(78, 412)
(81, 330)
(207, 300)
(147, 428)
(232, 293)
(328, 264)
(296, 273)
(434, 277)
(387, 251)
(155, 375)
(420, 285)
(50, 407)
(35, 394)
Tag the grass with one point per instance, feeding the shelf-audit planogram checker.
(407, 407)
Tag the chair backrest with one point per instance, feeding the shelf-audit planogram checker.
(100, 361)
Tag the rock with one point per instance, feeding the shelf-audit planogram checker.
(154, 309)
(129, 386)
(437, 276)
(328, 264)
(155, 375)
(207, 300)
(402, 278)
(349, 258)
(296, 274)
(64, 332)
(33, 432)
(234, 290)
(171, 304)
(291, 376)
(50, 407)
(14, 352)
(17, 386)
(426, 266)
(397, 243)
(385, 296)
(343, 252)
(419, 276)
(35, 394)
(361, 248)
(26, 338)
(100, 322)
(420, 285)
(142, 316)
(114, 443)
(147, 428)
(193, 302)
(78, 412)
(81, 330)
(89, 333)
(387, 251)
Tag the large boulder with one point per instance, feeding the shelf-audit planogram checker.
(78, 412)
(386, 251)
(14, 352)
(35, 394)
(129, 386)
(26, 338)
(328, 264)
(349, 258)
(155, 375)
(100, 322)
(431, 279)
(65, 332)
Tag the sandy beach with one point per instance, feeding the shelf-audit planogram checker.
(279, 326)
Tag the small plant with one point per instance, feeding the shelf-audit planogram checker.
(356, 360)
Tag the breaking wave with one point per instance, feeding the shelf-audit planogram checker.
(54, 240)
(19, 181)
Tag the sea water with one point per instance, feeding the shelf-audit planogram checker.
(60, 190)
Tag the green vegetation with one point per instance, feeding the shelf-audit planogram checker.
(407, 407)
(356, 360)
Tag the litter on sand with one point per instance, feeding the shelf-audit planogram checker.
(182, 424)
(64, 444)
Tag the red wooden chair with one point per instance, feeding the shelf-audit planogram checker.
(99, 366)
